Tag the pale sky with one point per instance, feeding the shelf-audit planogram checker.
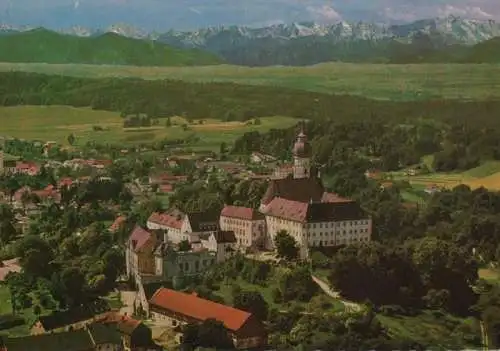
(190, 14)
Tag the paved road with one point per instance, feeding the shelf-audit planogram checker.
(349, 306)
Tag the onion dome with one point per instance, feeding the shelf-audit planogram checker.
(302, 148)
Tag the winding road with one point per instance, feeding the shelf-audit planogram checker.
(349, 306)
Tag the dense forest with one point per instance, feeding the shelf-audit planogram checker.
(240, 102)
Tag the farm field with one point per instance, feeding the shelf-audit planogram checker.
(379, 81)
(486, 175)
(56, 123)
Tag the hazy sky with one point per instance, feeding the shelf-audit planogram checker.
(189, 14)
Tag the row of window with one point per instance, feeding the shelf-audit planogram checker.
(339, 242)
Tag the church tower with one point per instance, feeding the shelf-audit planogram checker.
(302, 157)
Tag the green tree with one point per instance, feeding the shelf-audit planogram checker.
(184, 245)
(71, 139)
(286, 246)
(253, 302)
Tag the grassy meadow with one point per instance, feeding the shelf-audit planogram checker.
(379, 81)
(55, 123)
(486, 175)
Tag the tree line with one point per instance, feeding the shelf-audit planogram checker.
(164, 98)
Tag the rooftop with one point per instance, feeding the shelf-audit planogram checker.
(199, 309)
(240, 212)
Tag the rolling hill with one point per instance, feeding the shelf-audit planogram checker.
(41, 45)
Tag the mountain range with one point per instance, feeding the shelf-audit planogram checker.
(450, 39)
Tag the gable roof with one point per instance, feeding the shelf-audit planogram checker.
(224, 236)
(171, 219)
(314, 212)
(245, 213)
(203, 221)
(119, 221)
(104, 334)
(139, 238)
(199, 309)
(61, 319)
(294, 189)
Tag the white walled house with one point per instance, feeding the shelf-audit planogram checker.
(222, 242)
(180, 226)
(248, 225)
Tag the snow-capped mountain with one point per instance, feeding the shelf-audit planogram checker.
(455, 30)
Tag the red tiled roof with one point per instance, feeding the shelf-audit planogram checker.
(301, 189)
(117, 223)
(287, 209)
(332, 197)
(63, 182)
(314, 212)
(9, 266)
(166, 188)
(240, 212)
(199, 309)
(139, 237)
(173, 220)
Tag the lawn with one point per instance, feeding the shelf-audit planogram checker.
(6, 308)
(438, 332)
(379, 81)
(490, 274)
(56, 123)
(225, 293)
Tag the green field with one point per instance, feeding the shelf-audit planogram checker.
(396, 82)
(56, 123)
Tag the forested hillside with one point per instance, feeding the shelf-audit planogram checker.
(41, 45)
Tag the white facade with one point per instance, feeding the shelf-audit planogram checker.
(301, 167)
(320, 233)
(248, 233)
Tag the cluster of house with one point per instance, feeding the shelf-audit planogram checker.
(84, 330)
(32, 168)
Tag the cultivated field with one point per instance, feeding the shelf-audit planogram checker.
(56, 123)
(396, 82)
(487, 175)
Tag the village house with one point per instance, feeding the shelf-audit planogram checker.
(28, 199)
(180, 226)
(139, 259)
(175, 309)
(22, 167)
(71, 319)
(221, 242)
(96, 337)
(247, 224)
(135, 335)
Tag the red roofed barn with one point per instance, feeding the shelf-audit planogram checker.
(176, 308)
